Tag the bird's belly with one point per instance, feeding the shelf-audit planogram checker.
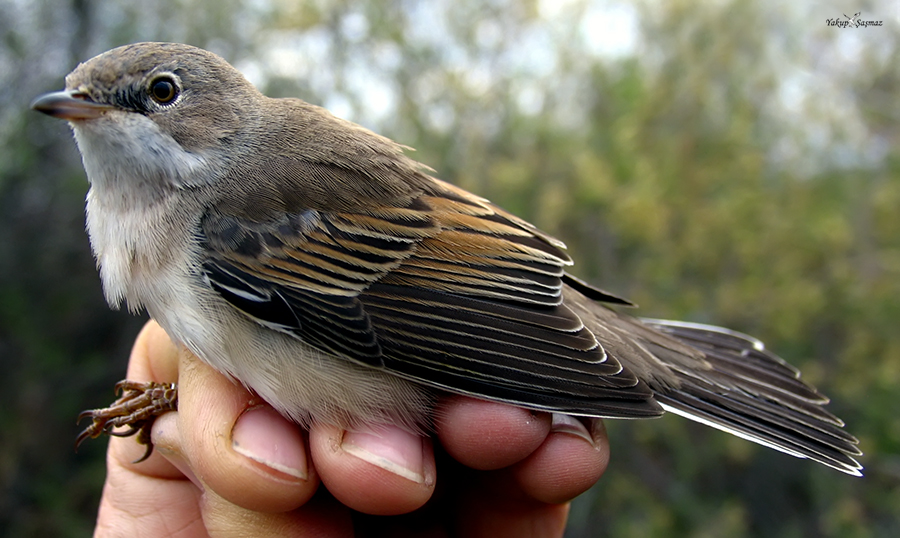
(301, 382)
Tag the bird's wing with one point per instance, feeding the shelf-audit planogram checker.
(444, 288)
(440, 287)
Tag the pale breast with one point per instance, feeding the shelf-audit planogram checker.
(140, 249)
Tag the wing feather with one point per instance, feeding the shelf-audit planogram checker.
(444, 289)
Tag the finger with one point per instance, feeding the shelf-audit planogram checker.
(485, 516)
(154, 356)
(235, 445)
(530, 498)
(385, 471)
(567, 463)
(321, 517)
(138, 505)
(487, 435)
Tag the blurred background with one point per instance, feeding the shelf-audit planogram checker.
(726, 162)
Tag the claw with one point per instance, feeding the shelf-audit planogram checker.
(133, 429)
(137, 407)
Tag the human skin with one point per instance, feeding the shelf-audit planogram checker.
(226, 464)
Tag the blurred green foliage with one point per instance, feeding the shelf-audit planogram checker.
(724, 162)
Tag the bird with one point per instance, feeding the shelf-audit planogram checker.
(316, 263)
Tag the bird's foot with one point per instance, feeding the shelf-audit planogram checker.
(137, 408)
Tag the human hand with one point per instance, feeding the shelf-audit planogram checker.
(226, 464)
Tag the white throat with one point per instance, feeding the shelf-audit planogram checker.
(140, 228)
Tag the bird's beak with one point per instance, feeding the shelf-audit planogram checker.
(70, 105)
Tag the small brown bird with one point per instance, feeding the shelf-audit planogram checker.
(311, 260)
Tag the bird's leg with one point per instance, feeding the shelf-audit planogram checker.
(136, 408)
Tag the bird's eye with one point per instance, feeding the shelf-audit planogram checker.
(163, 90)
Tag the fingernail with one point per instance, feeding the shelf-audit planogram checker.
(568, 424)
(389, 448)
(266, 437)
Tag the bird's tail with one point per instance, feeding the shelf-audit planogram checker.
(752, 393)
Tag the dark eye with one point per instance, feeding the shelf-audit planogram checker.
(163, 90)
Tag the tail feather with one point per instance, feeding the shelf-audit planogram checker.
(754, 394)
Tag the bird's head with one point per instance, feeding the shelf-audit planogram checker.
(163, 112)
